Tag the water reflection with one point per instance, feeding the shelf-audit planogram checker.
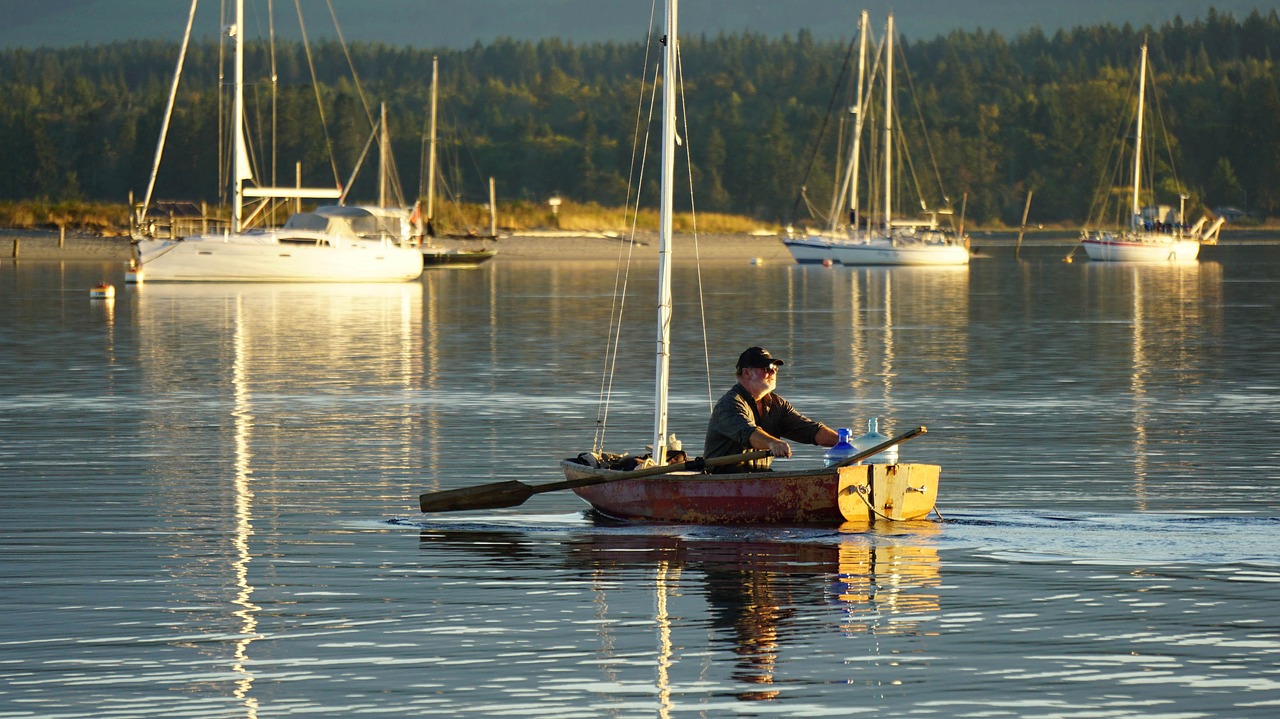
(266, 355)
(1171, 307)
(887, 327)
(759, 595)
(246, 610)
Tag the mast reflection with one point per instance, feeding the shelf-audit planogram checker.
(239, 360)
(756, 592)
(1169, 306)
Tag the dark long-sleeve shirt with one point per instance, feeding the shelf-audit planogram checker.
(735, 418)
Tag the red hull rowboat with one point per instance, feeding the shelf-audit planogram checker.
(859, 493)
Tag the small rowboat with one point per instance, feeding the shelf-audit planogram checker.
(858, 493)
(681, 492)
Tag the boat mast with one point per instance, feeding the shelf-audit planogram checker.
(384, 152)
(237, 119)
(431, 156)
(1135, 221)
(858, 124)
(888, 131)
(664, 235)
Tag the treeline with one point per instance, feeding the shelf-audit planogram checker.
(1004, 116)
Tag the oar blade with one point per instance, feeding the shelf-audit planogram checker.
(487, 496)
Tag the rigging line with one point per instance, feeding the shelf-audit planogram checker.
(368, 112)
(168, 113)
(1164, 133)
(393, 172)
(693, 215)
(905, 157)
(315, 86)
(1115, 158)
(822, 131)
(924, 131)
(620, 296)
(864, 102)
(615, 310)
(360, 161)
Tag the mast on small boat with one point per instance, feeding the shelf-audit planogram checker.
(670, 55)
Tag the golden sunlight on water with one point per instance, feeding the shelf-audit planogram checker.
(208, 496)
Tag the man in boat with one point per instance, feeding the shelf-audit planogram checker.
(750, 416)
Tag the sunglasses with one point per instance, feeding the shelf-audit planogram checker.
(771, 369)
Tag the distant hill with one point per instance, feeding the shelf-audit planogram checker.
(462, 23)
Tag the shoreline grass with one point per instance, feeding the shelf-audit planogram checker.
(113, 219)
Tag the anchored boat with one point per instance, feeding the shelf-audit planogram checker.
(1149, 235)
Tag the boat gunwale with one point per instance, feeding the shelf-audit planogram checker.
(687, 476)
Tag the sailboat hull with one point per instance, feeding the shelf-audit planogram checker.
(883, 252)
(1107, 247)
(854, 253)
(264, 257)
(809, 497)
(434, 257)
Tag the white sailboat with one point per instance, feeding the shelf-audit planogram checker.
(337, 244)
(1149, 236)
(893, 241)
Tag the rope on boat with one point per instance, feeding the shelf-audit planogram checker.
(878, 513)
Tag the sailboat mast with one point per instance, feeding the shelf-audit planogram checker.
(1136, 219)
(431, 157)
(237, 118)
(888, 130)
(858, 123)
(384, 152)
(664, 235)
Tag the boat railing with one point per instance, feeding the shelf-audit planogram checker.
(172, 226)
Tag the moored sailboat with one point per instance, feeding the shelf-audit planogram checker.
(1149, 235)
(322, 247)
(889, 240)
(434, 255)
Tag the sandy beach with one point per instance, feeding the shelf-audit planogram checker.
(38, 245)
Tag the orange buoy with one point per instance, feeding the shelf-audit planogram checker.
(103, 292)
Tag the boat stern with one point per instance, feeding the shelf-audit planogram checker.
(897, 492)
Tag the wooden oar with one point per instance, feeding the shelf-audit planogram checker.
(514, 492)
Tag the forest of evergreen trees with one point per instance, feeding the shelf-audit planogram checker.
(1004, 116)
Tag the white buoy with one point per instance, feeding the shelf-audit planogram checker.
(134, 274)
(757, 261)
(103, 292)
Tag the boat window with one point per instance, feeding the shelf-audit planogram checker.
(316, 242)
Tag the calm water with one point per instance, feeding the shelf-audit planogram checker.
(208, 496)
